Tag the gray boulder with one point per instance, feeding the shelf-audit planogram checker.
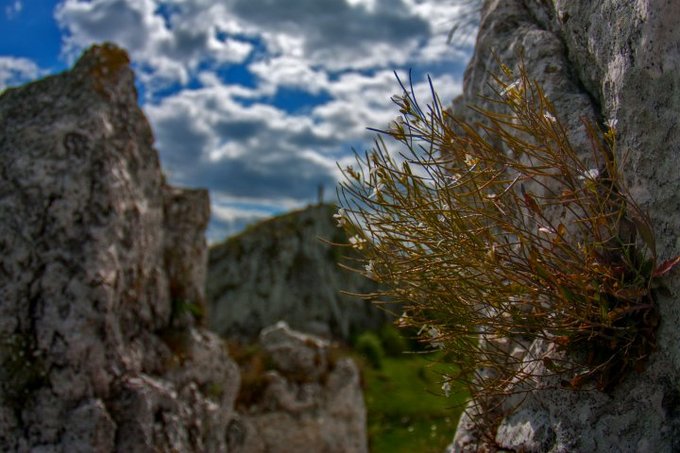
(602, 61)
(310, 402)
(102, 272)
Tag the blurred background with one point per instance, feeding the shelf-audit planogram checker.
(255, 100)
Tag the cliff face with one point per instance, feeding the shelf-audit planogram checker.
(96, 252)
(281, 270)
(102, 294)
(602, 60)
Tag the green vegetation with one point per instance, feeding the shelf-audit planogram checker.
(498, 233)
(392, 341)
(411, 403)
(369, 346)
(182, 307)
(407, 410)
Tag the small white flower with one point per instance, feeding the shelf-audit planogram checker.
(437, 344)
(376, 191)
(341, 217)
(549, 116)
(357, 242)
(591, 174)
(611, 123)
(446, 388)
(508, 89)
(433, 334)
(370, 271)
(403, 320)
(452, 180)
(470, 160)
(546, 230)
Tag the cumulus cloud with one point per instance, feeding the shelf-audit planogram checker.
(268, 95)
(15, 71)
(257, 151)
(337, 34)
(168, 47)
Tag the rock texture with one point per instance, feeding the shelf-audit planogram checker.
(102, 277)
(310, 401)
(604, 60)
(101, 268)
(281, 270)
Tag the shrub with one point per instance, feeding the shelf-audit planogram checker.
(253, 364)
(392, 341)
(497, 234)
(368, 345)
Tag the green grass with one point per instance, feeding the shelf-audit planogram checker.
(407, 411)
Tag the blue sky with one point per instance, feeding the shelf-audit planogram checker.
(256, 100)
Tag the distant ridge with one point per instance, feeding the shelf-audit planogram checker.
(280, 269)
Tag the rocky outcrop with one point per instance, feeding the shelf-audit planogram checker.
(281, 270)
(101, 273)
(615, 61)
(311, 400)
(102, 295)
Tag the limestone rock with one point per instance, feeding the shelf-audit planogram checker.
(100, 263)
(186, 215)
(281, 270)
(294, 352)
(309, 403)
(600, 60)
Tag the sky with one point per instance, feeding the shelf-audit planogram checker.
(256, 100)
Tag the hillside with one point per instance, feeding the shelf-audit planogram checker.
(281, 269)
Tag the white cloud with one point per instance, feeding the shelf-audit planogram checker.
(289, 71)
(336, 34)
(234, 215)
(207, 138)
(167, 47)
(228, 133)
(15, 71)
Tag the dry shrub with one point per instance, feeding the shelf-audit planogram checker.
(253, 364)
(497, 234)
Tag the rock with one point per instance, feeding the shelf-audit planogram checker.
(280, 270)
(186, 215)
(309, 403)
(102, 271)
(599, 60)
(295, 352)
